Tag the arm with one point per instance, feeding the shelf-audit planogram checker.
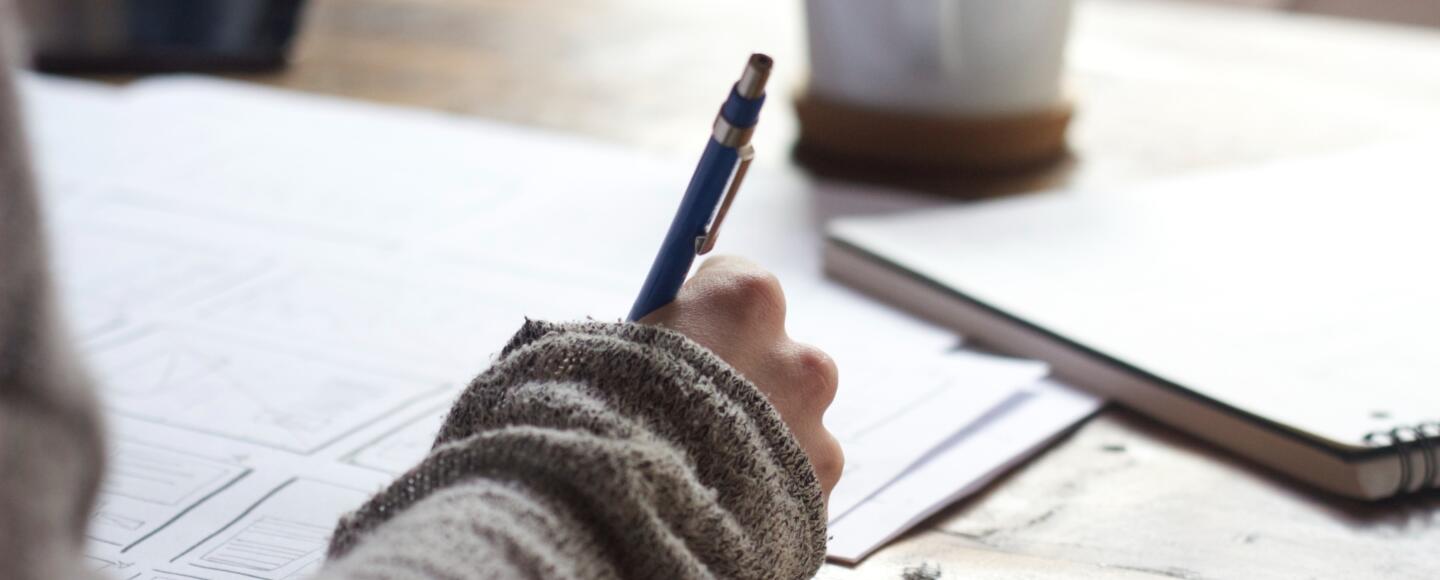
(597, 450)
(50, 451)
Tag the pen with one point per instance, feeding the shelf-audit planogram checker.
(721, 169)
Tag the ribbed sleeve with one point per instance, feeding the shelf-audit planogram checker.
(597, 450)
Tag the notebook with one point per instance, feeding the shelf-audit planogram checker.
(1286, 312)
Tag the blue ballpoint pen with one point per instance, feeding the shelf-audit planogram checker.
(721, 169)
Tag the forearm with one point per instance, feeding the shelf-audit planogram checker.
(598, 451)
(478, 528)
(50, 451)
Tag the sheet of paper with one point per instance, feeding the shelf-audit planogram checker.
(902, 407)
(971, 459)
(279, 295)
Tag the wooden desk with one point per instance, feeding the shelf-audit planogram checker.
(1162, 89)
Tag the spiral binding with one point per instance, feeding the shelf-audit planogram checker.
(1426, 437)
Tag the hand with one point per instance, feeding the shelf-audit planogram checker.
(737, 310)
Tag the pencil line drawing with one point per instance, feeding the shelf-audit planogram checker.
(97, 266)
(149, 487)
(399, 449)
(274, 398)
(282, 535)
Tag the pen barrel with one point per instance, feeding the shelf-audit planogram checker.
(677, 252)
(740, 111)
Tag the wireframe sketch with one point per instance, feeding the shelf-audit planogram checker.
(400, 449)
(284, 535)
(106, 274)
(430, 316)
(97, 563)
(291, 401)
(147, 487)
(392, 316)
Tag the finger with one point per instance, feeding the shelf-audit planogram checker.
(704, 282)
(662, 316)
(738, 293)
(814, 375)
(828, 459)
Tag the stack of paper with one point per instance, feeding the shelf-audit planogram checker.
(281, 294)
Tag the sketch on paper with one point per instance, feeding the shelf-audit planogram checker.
(106, 273)
(401, 448)
(147, 487)
(283, 535)
(285, 400)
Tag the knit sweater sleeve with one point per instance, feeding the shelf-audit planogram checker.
(50, 451)
(595, 450)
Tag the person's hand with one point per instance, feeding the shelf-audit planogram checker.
(737, 310)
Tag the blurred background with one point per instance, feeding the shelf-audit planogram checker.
(1160, 86)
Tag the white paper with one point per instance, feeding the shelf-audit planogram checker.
(896, 414)
(972, 459)
(280, 295)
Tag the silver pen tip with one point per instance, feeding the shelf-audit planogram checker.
(752, 82)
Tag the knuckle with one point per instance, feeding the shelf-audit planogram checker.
(816, 373)
(758, 285)
(753, 294)
(829, 463)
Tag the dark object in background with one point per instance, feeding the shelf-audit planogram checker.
(139, 36)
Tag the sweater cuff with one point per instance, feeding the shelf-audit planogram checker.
(593, 400)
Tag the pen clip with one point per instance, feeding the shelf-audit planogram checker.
(706, 241)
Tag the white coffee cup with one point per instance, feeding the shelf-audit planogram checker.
(946, 57)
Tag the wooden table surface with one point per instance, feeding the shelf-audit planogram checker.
(1162, 88)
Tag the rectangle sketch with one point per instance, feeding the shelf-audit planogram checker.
(436, 318)
(109, 568)
(98, 564)
(282, 536)
(397, 451)
(281, 399)
(106, 274)
(393, 316)
(147, 487)
(268, 544)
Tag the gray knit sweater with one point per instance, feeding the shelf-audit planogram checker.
(588, 450)
(598, 451)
